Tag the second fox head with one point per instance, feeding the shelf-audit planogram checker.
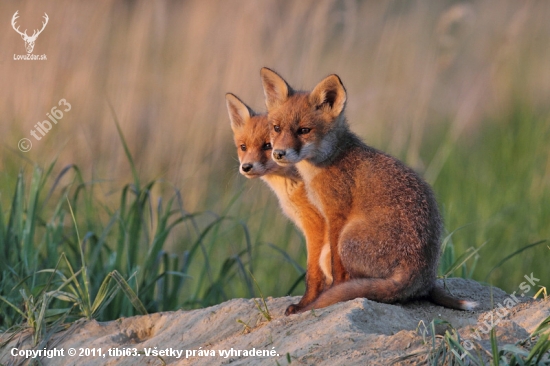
(251, 136)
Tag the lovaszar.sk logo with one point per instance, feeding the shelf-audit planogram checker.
(29, 40)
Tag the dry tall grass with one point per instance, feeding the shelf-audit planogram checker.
(409, 67)
(419, 74)
(165, 65)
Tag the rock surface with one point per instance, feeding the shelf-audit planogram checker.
(354, 332)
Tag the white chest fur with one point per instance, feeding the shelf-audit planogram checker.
(283, 188)
(308, 172)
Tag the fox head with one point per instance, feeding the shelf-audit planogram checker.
(304, 126)
(251, 135)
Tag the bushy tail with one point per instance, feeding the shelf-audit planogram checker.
(440, 296)
(377, 289)
(385, 291)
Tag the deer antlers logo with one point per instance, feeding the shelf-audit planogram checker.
(29, 40)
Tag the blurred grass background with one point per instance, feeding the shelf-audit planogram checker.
(459, 90)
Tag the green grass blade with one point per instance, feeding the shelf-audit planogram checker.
(513, 255)
(494, 348)
(86, 292)
(242, 269)
(102, 293)
(264, 310)
(538, 351)
(463, 259)
(300, 279)
(124, 145)
(542, 328)
(448, 238)
(64, 296)
(288, 258)
(129, 292)
(13, 306)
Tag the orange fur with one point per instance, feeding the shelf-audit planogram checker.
(251, 134)
(383, 221)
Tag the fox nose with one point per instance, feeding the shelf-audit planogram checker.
(278, 154)
(246, 167)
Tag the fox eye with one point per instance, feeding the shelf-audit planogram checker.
(267, 146)
(277, 128)
(243, 147)
(303, 131)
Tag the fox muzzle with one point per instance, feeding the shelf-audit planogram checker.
(278, 154)
(247, 167)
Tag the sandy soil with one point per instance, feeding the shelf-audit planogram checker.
(355, 332)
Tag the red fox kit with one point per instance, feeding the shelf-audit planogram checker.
(383, 222)
(251, 133)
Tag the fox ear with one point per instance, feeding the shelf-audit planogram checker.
(329, 95)
(239, 113)
(276, 89)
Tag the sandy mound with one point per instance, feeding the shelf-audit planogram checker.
(355, 332)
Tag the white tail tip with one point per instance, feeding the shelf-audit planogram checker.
(468, 305)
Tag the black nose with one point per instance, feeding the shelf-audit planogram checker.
(278, 154)
(246, 167)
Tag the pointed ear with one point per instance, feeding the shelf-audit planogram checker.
(276, 89)
(239, 113)
(329, 95)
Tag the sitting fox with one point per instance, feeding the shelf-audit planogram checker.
(383, 222)
(251, 134)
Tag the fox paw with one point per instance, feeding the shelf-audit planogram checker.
(293, 309)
